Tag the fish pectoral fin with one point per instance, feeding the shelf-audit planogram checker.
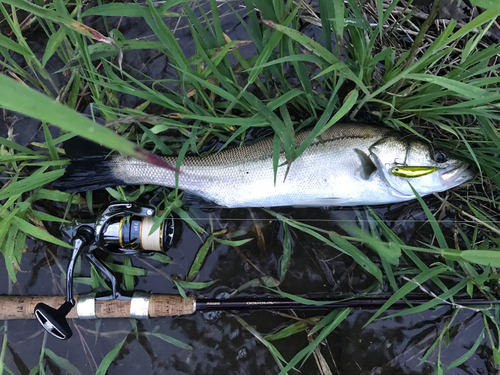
(368, 169)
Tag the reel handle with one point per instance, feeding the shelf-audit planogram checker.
(54, 320)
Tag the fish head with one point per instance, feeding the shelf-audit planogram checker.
(443, 172)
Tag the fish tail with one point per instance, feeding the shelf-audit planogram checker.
(91, 167)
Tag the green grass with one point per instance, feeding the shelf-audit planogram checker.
(444, 87)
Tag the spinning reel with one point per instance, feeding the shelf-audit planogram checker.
(122, 229)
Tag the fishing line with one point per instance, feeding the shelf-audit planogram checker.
(208, 219)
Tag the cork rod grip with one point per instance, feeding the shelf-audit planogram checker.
(168, 305)
(22, 307)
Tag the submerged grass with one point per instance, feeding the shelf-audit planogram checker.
(443, 87)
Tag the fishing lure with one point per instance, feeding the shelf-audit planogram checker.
(412, 171)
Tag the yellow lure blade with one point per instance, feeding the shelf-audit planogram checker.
(411, 171)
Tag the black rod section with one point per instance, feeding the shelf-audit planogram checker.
(239, 304)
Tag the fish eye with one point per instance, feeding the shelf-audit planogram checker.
(439, 157)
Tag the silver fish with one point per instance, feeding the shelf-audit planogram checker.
(348, 165)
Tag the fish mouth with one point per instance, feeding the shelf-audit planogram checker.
(457, 174)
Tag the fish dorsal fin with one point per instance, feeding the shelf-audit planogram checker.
(367, 166)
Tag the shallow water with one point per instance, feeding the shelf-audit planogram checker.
(220, 343)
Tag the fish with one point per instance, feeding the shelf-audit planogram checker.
(347, 165)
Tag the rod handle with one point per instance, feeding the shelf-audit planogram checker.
(170, 305)
(22, 307)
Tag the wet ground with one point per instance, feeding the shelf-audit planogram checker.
(220, 345)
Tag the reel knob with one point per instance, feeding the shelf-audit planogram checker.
(54, 321)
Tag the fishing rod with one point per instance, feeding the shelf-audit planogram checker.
(126, 229)
(142, 305)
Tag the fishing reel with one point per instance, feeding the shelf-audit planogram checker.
(122, 229)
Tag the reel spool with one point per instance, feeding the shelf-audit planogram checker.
(122, 229)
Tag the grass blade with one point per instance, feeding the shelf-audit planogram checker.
(20, 98)
(432, 221)
(339, 316)
(407, 288)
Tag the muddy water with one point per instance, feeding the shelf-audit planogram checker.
(220, 345)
